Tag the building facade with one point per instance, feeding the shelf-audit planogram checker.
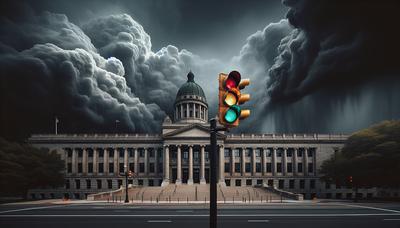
(180, 155)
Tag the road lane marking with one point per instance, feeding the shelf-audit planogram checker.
(369, 207)
(257, 220)
(184, 211)
(200, 215)
(159, 221)
(32, 208)
(391, 219)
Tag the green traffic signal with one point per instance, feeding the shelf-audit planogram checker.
(232, 114)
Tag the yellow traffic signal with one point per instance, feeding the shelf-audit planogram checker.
(230, 98)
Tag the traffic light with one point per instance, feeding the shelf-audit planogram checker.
(230, 97)
(350, 179)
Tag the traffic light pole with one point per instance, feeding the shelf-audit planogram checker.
(213, 177)
(126, 187)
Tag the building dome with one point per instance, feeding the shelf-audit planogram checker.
(191, 88)
(190, 103)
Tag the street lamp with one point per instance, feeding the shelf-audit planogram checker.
(126, 184)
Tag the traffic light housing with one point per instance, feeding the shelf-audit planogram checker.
(230, 97)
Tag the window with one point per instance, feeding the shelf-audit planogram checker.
(88, 184)
(109, 184)
(151, 182)
(80, 153)
(269, 152)
(311, 152)
(151, 167)
(140, 182)
(258, 153)
(269, 167)
(259, 181)
(132, 166)
(279, 167)
(327, 185)
(185, 155)
(227, 182)
(119, 183)
(312, 184)
(248, 182)
(238, 182)
(77, 184)
(69, 167)
(90, 153)
(248, 167)
(67, 184)
(227, 153)
(237, 167)
(310, 167)
(196, 155)
(101, 153)
(121, 153)
(141, 167)
(281, 184)
(90, 167)
(289, 152)
(79, 167)
(206, 155)
(160, 167)
(279, 152)
(291, 184)
(101, 167)
(248, 152)
(99, 184)
(299, 167)
(121, 167)
(237, 153)
(302, 184)
(226, 167)
(69, 153)
(111, 167)
(270, 182)
(258, 167)
(151, 153)
(111, 153)
(300, 152)
(141, 152)
(289, 167)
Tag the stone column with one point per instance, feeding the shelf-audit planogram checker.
(284, 161)
(155, 161)
(166, 166)
(305, 165)
(190, 180)
(146, 162)
(105, 161)
(233, 161)
(253, 161)
(221, 165)
(181, 110)
(116, 162)
(74, 161)
(136, 161)
(126, 161)
(202, 165)
(95, 161)
(84, 161)
(273, 165)
(178, 166)
(264, 162)
(295, 171)
(243, 161)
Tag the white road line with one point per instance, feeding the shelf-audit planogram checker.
(202, 215)
(184, 211)
(391, 219)
(160, 221)
(368, 207)
(257, 220)
(32, 208)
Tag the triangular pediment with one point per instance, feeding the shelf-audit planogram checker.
(191, 131)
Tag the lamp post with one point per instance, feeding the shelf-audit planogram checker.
(126, 184)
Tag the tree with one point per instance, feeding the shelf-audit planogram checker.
(23, 167)
(371, 157)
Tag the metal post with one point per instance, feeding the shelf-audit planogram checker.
(126, 187)
(213, 177)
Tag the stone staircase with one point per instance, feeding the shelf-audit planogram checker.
(191, 193)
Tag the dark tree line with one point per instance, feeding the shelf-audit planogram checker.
(24, 167)
(370, 158)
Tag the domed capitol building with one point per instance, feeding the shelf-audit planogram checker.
(180, 155)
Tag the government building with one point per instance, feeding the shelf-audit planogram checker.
(179, 154)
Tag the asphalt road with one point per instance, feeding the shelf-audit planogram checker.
(292, 215)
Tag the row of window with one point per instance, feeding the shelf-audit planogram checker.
(281, 183)
(141, 152)
(98, 184)
(279, 152)
(279, 167)
(121, 169)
